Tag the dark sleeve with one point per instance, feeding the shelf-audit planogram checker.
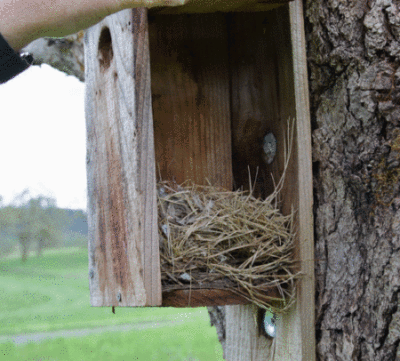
(11, 63)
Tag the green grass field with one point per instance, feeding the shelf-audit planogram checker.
(52, 293)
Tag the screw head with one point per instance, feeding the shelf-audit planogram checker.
(270, 324)
(269, 148)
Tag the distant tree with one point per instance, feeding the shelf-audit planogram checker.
(8, 221)
(24, 239)
(36, 222)
(44, 239)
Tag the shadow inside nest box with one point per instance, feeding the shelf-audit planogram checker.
(220, 83)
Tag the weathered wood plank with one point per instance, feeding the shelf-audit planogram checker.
(262, 101)
(243, 339)
(191, 105)
(146, 161)
(124, 265)
(296, 331)
(209, 297)
(269, 86)
(201, 298)
(305, 251)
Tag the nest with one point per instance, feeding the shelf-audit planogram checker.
(214, 238)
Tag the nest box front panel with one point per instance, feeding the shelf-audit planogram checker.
(124, 265)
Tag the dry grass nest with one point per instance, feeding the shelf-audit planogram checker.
(211, 237)
(214, 238)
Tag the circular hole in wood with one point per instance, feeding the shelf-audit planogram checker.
(105, 51)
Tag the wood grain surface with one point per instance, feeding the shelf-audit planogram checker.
(191, 102)
(219, 83)
(124, 267)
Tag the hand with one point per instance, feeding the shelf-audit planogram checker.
(23, 21)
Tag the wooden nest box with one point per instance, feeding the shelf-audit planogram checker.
(189, 93)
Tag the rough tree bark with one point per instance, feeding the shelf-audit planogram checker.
(217, 318)
(353, 57)
(64, 54)
(354, 69)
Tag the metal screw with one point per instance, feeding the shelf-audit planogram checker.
(269, 148)
(270, 324)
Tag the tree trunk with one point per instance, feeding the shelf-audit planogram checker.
(43, 239)
(353, 57)
(24, 239)
(218, 319)
(64, 54)
(354, 69)
(40, 247)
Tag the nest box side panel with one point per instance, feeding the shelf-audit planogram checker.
(124, 267)
(296, 331)
(306, 295)
(262, 100)
(269, 87)
(191, 102)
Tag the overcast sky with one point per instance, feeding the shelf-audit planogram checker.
(43, 137)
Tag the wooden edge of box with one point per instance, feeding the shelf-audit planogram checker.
(209, 297)
(306, 290)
